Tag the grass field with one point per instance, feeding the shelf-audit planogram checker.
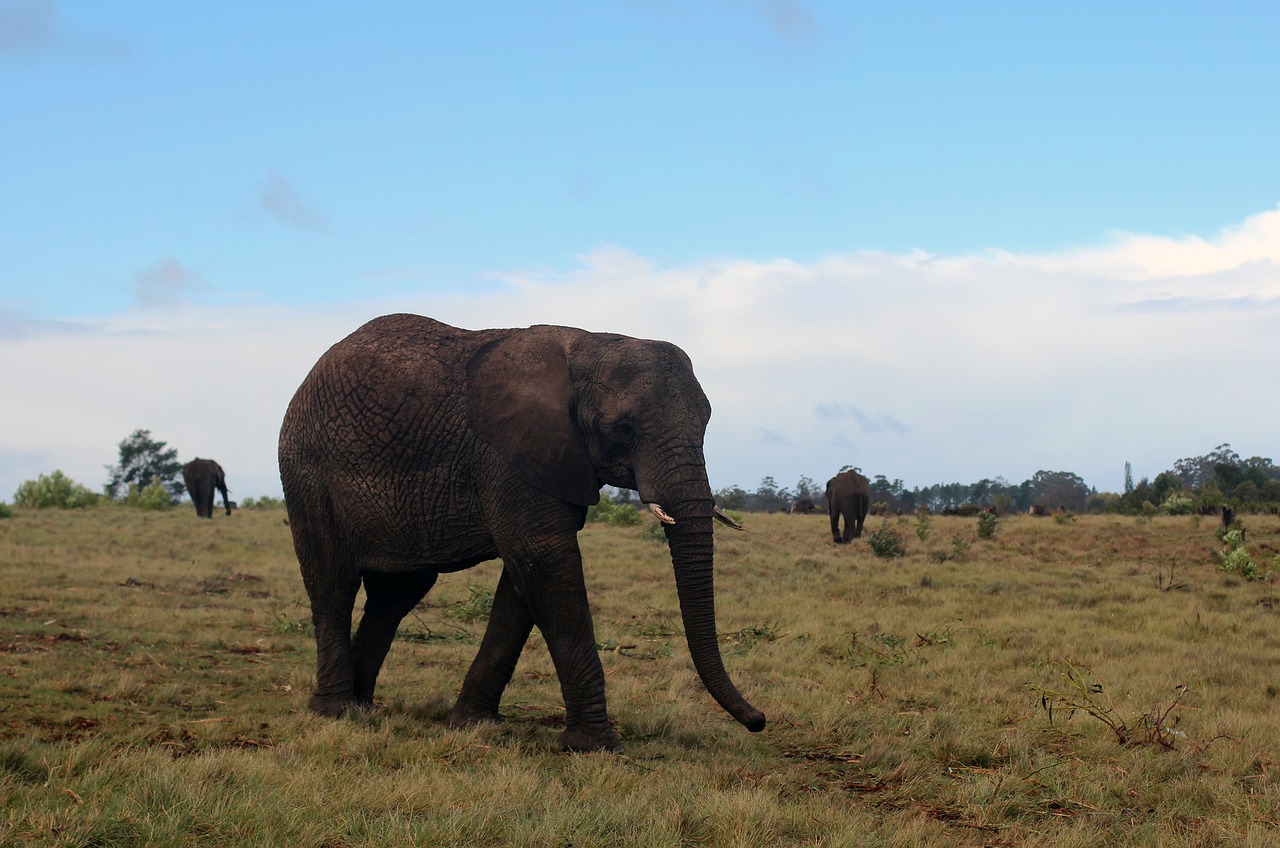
(154, 671)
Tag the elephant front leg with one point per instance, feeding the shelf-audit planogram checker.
(509, 626)
(560, 609)
(587, 725)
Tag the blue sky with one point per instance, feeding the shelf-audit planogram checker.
(939, 241)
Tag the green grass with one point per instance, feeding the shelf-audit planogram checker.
(154, 671)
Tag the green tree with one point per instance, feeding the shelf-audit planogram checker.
(807, 488)
(143, 461)
(1059, 488)
(1197, 471)
(732, 497)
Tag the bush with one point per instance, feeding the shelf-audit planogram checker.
(1178, 504)
(608, 512)
(988, 523)
(1235, 558)
(154, 497)
(885, 542)
(55, 490)
(5, 512)
(653, 532)
(475, 607)
(923, 520)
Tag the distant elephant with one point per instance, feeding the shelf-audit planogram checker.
(202, 476)
(414, 448)
(848, 494)
(802, 506)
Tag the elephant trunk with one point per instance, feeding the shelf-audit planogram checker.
(692, 558)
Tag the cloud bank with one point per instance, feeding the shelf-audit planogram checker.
(924, 368)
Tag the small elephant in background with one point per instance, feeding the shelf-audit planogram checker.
(848, 494)
(201, 477)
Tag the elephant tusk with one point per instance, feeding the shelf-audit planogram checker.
(661, 513)
(724, 518)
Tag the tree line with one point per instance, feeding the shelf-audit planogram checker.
(149, 469)
(1202, 483)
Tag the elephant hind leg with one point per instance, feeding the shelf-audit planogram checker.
(509, 626)
(861, 507)
(848, 533)
(332, 601)
(388, 599)
(335, 689)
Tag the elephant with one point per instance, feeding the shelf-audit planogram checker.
(848, 494)
(201, 477)
(414, 448)
(802, 506)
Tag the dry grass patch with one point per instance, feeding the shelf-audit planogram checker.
(154, 671)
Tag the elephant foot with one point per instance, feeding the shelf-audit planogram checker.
(461, 716)
(582, 740)
(334, 707)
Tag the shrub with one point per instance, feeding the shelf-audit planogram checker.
(1178, 504)
(885, 541)
(959, 545)
(988, 522)
(923, 520)
(653, 532)
(476, 607)
(1235, 558)
(608, 512)
(155, 497)
(55, 490)
(5, 512)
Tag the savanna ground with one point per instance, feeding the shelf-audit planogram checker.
(154, 672)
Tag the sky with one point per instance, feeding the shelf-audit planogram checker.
(937, 241)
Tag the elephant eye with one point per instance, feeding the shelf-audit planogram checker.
(624, 431)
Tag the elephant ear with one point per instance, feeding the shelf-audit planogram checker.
(520, 401)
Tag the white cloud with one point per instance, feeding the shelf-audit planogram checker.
(165, 284)
(280, 199)
(30, 28)
(920, 367)
(27, 25)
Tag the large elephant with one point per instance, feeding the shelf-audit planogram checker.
(848, 494)
(201, 477)
(414, 448)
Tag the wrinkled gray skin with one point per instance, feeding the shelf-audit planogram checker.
(201, 477)
(414, 448)
(848, 495)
